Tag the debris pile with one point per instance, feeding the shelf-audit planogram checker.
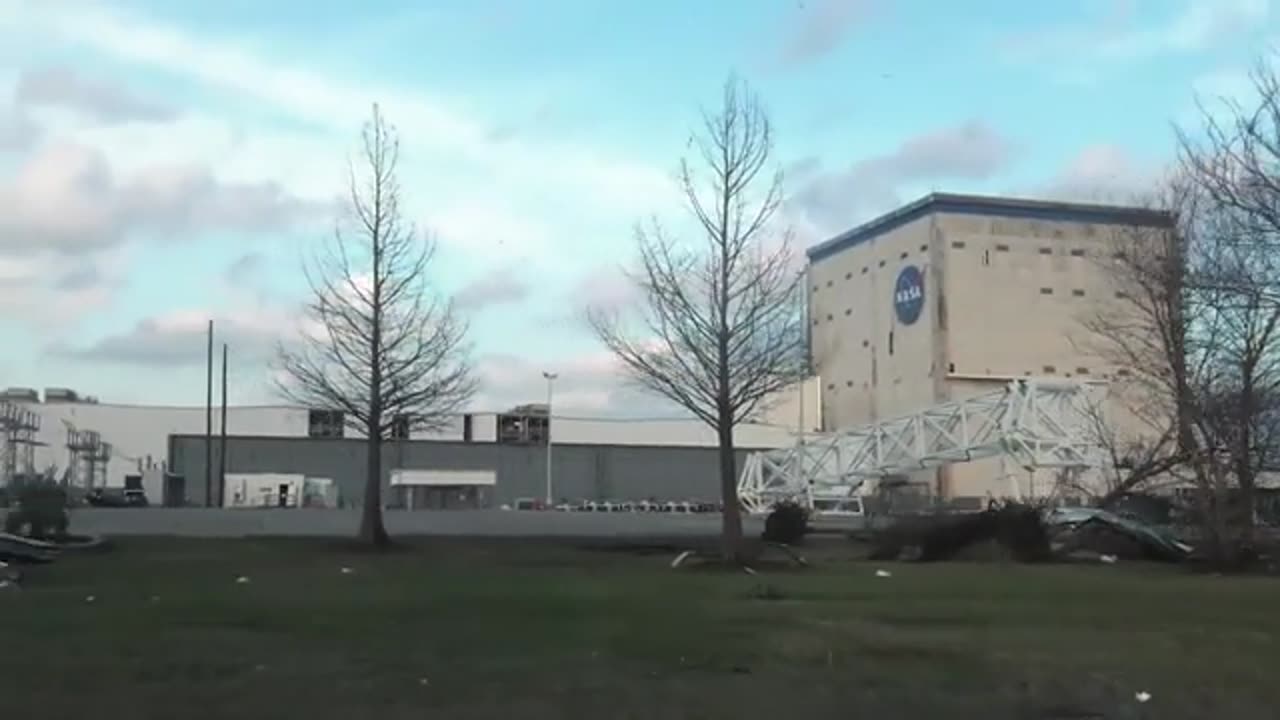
(1018, 529)
(1090, 533)
(1029, 534)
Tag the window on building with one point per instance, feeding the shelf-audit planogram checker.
(1077, 252)
(866, 343)
(1120, 295)
(829, 317)
(815, 288)
(848, 383)
(903, 256)
(848, 311)
(1046, 251)
(1049, 369)
(400, 427)
(890, 342)
(957, 244)
(1082, 371)
(848, 276)
(951, 367)
(815, 322)
(1046, 291)
(1001, 247)
(828, 283)
(831, 386)
(986, 257)
(1123, 372)
(1078, 292)
(864, 269)
(325, 423)
(881, 263)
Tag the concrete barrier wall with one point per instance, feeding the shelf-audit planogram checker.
(579, 472)
(218, 523)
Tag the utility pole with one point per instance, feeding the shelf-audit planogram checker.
(222, 440)
(551, 379)
(208, 422)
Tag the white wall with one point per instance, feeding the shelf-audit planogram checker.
(138, 432)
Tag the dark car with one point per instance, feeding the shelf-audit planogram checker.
(114, 497)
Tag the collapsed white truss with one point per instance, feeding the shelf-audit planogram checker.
(1038, 423)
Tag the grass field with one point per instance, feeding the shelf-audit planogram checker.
(493, 629)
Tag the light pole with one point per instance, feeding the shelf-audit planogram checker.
(551, 379)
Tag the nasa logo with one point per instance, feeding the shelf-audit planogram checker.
(908, 295)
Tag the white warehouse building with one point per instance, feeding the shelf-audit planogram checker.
(98, 444)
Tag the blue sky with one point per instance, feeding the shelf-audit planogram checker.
(162, 163)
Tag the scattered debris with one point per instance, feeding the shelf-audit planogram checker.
(747, 569)
(424, 682)
(1142, 696)
(1087, 531)
(1018, 529)
(681, 558)
(883, 574)
(90, 598)
(346, 571)
(242, 580)
(1108, 559)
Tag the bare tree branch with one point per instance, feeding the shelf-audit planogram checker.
(382, 347)
(720, 332)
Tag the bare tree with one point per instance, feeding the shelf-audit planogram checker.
(1233, 162)
(1162, 334)
(721, 330)
(383, 349)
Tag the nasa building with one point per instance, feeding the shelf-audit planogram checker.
(954, 296)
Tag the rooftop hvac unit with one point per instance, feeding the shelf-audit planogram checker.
(60, 394)
(21, 393)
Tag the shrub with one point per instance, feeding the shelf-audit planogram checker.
(787, 523)
(40, 511)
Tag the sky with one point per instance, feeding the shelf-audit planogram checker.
(163, 163)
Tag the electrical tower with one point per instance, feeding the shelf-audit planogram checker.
(18, 428)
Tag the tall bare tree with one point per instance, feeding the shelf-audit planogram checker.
(720, 331)
(384, 349)
(1233, 161)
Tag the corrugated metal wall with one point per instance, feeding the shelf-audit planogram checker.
(591, 472)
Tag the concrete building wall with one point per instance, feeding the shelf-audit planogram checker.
(592, 472)
(1009, 289)
(139, 434)
(1020, 293)
(873, 365)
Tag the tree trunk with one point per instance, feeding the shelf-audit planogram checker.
(731, 515)
(372, 531)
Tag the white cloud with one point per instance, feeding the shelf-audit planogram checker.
(66, 197)
(1103, 173)
(589, 384)
(60, 86)
(425, 121)
(829, 202)
(821, 27)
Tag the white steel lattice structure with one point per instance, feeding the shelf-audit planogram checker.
(1037, 423)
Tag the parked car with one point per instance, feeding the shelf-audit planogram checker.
(115, 497)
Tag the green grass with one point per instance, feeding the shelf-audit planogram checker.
(530, 630)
